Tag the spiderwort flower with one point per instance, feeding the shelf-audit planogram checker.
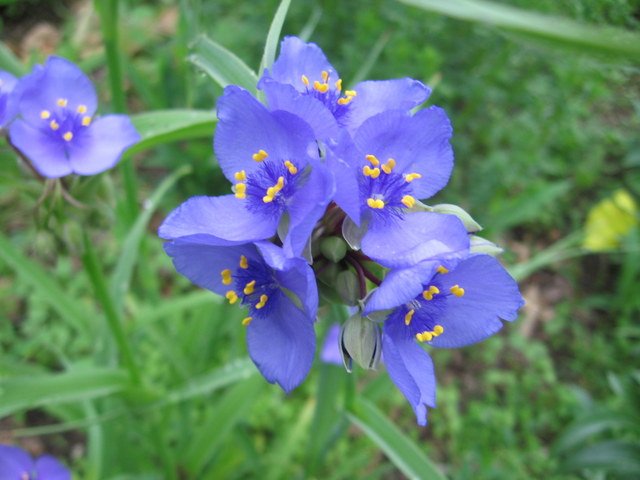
(56, 129)
(446, 305)
(16, 464)
(280, 294)
(7, 100)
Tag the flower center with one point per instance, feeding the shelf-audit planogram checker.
(65, 122)
(329, 93)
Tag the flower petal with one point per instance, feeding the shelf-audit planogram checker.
(330, 352)
(100, 146)
(245, 127)
(8, 104)
(46, 153)
(416, 237)
(490, 294)
(282, 345)
(347, 195)
(376, 96)
(224, 217)
(14, 462)
(411, 370)
(49, 468)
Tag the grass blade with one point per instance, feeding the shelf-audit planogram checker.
(271, 45)
(402, 451)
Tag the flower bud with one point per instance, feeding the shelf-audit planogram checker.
(482, 245)
(470, 224)
(333, 248)
(347, 287)
(360, 340)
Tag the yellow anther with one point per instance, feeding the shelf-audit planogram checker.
(350, 93)
(442, 270)
(246, 321)
(249, 287)
(62, 102)
(424, 336)
(375, 203)
(262, 302)
(68, 136)
(390, 165)
(409, 316)
(54, 125)
(305, 80)
(280, 183)
(438, 330)
(244, 263)
(260, 155)
(344, 100)
(338, 84)
(226, 276)
(410, 177)
(325, 76)
(430, 292)
(321, 87)
(240, 176)
(267, 199)
(373, 160)
(86, 121)
(81, 109)
(408, 201)
(231, 296)
(457, 290)
(291, 167)
(370, 172)
(45, 114)
(240, 190)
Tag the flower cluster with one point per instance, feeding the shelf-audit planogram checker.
(50, 117)
(326, 190)
(16, 464)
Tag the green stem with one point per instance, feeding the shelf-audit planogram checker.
(94, 270)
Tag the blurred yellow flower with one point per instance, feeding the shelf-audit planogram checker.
(609, 221)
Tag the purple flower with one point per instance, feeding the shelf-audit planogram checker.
(280, 294)
(272, 159)
(56, 129)
(330, 352)
(447, 305)
(302, 70)
(7, 100)
(16, 464)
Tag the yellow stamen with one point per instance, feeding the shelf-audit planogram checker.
(260, 155)
(267, 199)
(457, 290)
(246, 321)
(241, 190)
(410, 177)
(249, 287)
(262, 302)
(325, 76)
(321, 87)
(373, 160)
(350, 93)
(54, 125)
(438, 330)
(244, 263)
(45, 114)
(305, 80)
(409, 316)
(280, 183)
(81, 109)
(387, 167)
(430, 292)
(226, 276)
(408, 201)
(240, 176)
(231, 296)
(370, 172)
(442, 270)
(62, 102)
(344, 100)
(291, 167)
(338, 84)
(375, 203)
(424, 337)
(68, 136)
(86, 121)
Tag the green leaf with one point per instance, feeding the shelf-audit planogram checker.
(165, 126)
(131, 246)
(597, 422)
(608, 42)
(9, 62)
(613, 456)
(222, 65)
(401, 450)
(271, 45)
(20, 393)
(45, 285)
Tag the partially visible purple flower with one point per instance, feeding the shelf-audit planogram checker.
(7, 101)
(302, 69)
(56, 129)
(446, 305)
(330, 352)
(16, 464)
(280, 294)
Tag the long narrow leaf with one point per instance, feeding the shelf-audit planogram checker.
(403, 452)
(609, 42)
(271, 45)
(222, 65)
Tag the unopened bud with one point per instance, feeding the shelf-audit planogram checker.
(333, 248)
(482, 245)
(360, 340)
(347, 287)
(470, 224)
